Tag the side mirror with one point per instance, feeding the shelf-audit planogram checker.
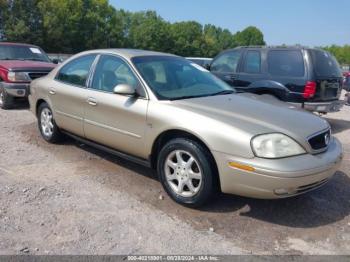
(124, 89)
(55, 60)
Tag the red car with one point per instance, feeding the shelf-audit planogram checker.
(19, 65)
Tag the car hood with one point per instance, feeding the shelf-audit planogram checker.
(26, 65)
(255, 114)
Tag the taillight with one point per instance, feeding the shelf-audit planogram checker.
(309, 89)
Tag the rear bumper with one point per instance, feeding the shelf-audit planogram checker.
(324, 107)
(16, 89)
(278, 178)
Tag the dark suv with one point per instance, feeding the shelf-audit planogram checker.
(310, 78)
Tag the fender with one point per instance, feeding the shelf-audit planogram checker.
(269, 87)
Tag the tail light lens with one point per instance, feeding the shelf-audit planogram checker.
(309, 89)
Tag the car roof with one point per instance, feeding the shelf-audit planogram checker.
(292, 47)
(129, 53)
(15, 44)
(200, 58)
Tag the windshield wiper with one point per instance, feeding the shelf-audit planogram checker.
(185, 97)
(224, 92)
(34, 59)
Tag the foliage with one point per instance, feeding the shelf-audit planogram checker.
(75, 25)
(342, 53)
(249, 36)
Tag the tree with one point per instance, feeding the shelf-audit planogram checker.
(249, 36)
(22, 21)
(187, 38)
(149, 31)
(3, 14)
(71, 26)
(216, 39)
(77, 25)
(342, 53)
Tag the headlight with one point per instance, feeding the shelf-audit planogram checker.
(18, 77)
(275, 146)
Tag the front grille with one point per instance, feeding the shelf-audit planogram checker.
(35, 75)
(305, 188)
(320, 141)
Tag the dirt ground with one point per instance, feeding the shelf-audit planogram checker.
(73, 199)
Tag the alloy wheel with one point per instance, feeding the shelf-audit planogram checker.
(183, 173)
(2, 96)
(46, 121)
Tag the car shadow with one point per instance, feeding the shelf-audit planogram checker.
(320, 207)
(20, 105)
(323, 206)
(338, 125)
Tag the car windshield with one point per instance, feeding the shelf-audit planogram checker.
(174, 78)
(15, 52)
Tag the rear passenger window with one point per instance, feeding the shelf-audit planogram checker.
(286, 63)
(252, 62)
(77, 71)
(226, 63)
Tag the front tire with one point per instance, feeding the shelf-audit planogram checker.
(6, 101)
(186, 171)
(47, 125)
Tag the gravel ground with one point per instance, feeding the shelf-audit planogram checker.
(73, 199)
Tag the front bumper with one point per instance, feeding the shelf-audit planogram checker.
(278, 178)
(16, 89)
(324, 107)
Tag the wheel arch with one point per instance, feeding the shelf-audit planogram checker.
(38, 103)
(168, 135)
(269, 87)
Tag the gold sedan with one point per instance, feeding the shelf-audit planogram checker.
(170, 114)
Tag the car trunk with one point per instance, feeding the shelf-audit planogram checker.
(327, 75)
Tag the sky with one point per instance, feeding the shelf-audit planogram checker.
(305, 22)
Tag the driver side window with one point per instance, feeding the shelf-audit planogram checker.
(226, 63)
(110, 72)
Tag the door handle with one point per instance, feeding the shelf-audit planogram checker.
(52, 92)
(92, 101)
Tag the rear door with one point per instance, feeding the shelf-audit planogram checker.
(288, 68)
(68, 93)
(327, 75)
(225, 66)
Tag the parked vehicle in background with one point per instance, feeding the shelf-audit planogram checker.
(58, 58)
(202, 61)
(346, 83)
(19, 65)
(307, 77)
(346, 87)
(170, 114)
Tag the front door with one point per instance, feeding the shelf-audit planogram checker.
(116, 121)
(225, 66)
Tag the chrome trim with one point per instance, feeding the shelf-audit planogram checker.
(113, 129)
(112, 151)
(69, 115)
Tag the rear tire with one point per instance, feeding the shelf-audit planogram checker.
(6, 101)
(47, 125)
(187, 172)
